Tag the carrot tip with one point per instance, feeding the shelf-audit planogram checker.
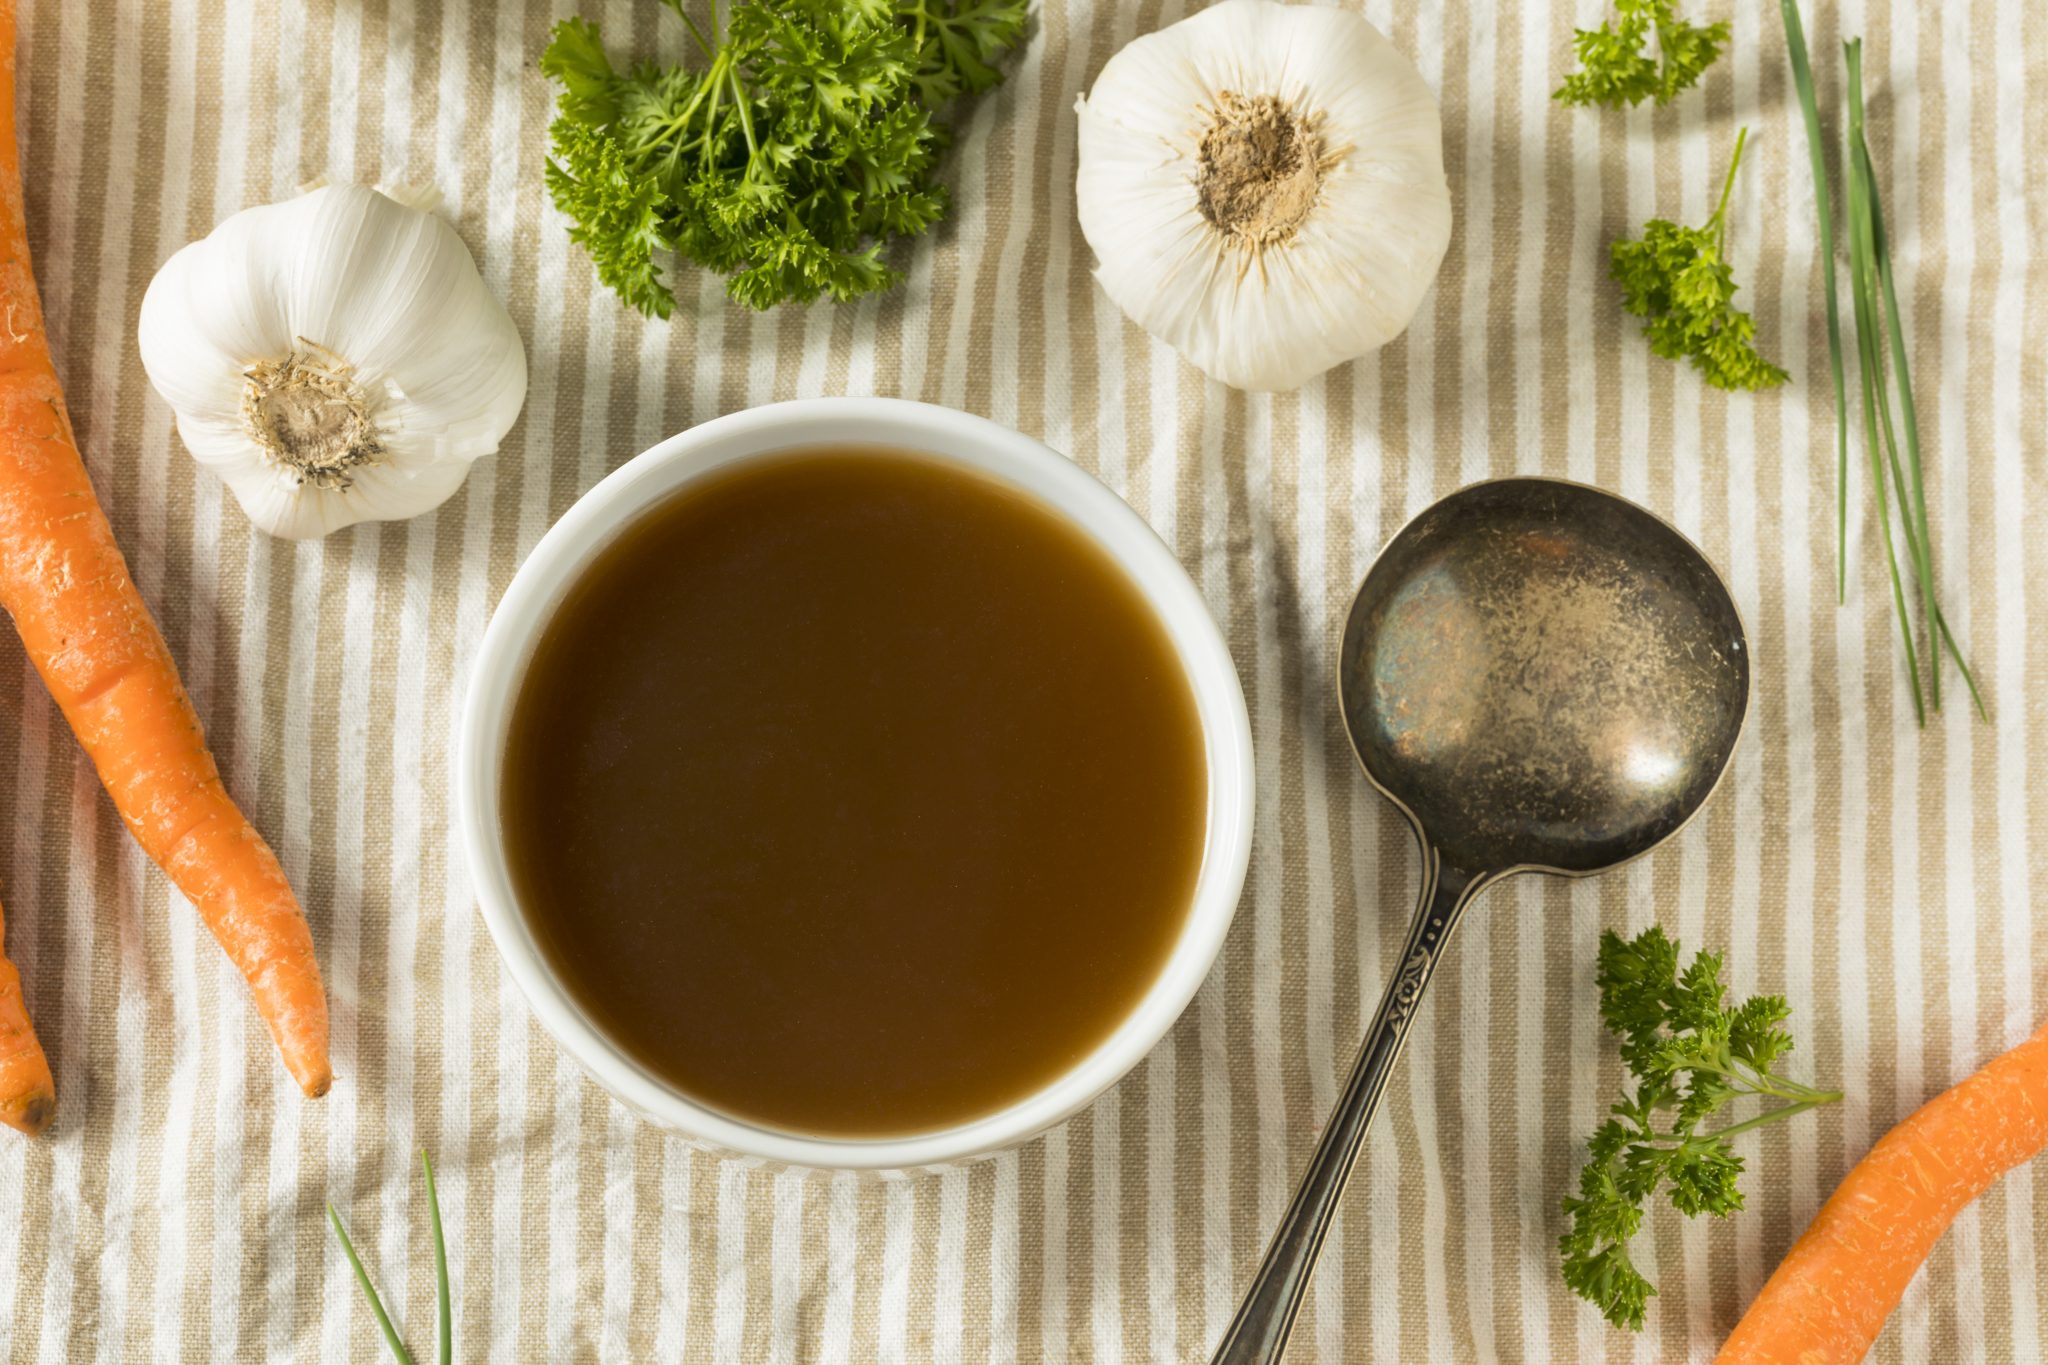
(32, 1113)
(316, 1083)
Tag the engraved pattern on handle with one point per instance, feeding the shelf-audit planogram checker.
(1401, 1001)
(1258, 1334)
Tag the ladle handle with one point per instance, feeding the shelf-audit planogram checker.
(1258, 1334)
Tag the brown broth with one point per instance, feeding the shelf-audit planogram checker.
(854, 794)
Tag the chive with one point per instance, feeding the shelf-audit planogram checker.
(363, 1278)
(1937, 623)
(442, 1315)
(1886, 323)
(1874, 295)
(1969, 678)
(1802, 81)
(1869, 364)
(1882, 326)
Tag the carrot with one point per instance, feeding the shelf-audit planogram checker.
(98, 649)
(28, 1097)
(1829, 1299)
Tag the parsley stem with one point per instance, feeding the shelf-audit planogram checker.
(1760, 1082)
(1785, 1111)
(917, 34)
(1671, 1142)
(697, 34)
(1720, 218)
(712, 91)
(739, 102)
(681, 121)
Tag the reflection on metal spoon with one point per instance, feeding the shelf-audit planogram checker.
(1543, 677)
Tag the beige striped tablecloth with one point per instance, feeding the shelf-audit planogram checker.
(1881, 878)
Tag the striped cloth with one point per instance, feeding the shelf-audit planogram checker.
(1881, 878)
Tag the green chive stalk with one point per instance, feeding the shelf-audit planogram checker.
(443, 1316)
(1874, 297)
(1802, 82)
(1869, 367)
(1920, 538)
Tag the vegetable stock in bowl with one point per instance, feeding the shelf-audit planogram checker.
(854, 793)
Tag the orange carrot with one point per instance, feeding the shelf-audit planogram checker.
(28, 1097)
(98, 649)
(1828, 1301)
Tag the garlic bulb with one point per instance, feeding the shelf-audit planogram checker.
(334, 358)
(1263, 187)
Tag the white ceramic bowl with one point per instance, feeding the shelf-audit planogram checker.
(957, 438)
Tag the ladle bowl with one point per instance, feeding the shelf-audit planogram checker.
(1543, 677)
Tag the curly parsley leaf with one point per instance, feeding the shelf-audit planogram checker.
(959, 44)
(1690, 1055)
(575, 59)
(788, 160)
(616, 212)
(1676, 278)
(1614, 70)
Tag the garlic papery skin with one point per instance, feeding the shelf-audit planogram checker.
(334, 358)
(1263, 187)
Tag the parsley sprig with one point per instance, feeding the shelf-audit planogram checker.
(1690, 1055)
(788, 160)
(1676, 278)
(1614, 70)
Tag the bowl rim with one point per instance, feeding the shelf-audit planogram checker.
(951, 437)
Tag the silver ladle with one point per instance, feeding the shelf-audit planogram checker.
(1542, 677)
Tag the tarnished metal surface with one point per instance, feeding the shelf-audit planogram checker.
(1544, 675)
